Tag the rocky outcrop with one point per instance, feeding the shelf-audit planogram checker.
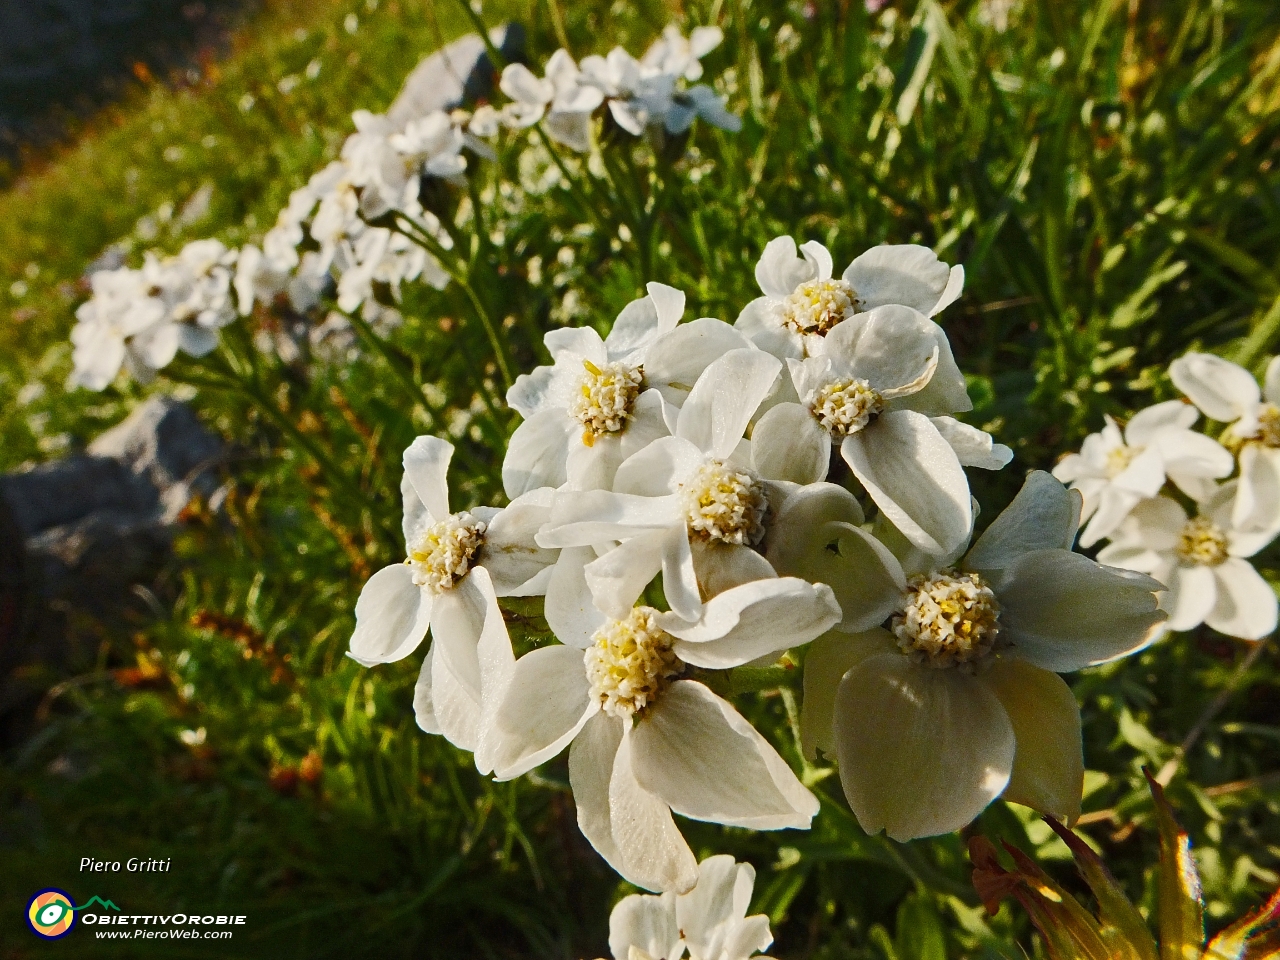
(455, 74)
(77, 533)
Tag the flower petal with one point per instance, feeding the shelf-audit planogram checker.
(510, 554)
(905, 273)
(973, 447)
(1048, 765)
(1220, 388)
(699, 755)
(652, 852)
(392, 616)
(647, 923)
(787, 443)
(723, 566)
(423, 707)
(656, 470)
(826, 662)
(1192, 595)
(913, 475)
(1064, 612)
(955, 286)
(547, 702)
(746, 622)
(724, 400)
(537, 453)
(673, 362)
(455, 707)
(1044, 514)
(820, 257)
(922, 752)
(617, 579)
(643, 321)
(889, 347)
(1257, 505)
(760, 322)
(1246, 606)
(594, 516)
(711, 915)
(426, 462)
(816, 537)
(570, 609)
(779, 270)
(591, 758)
(945, 393)
(1146, 424)
(457, 621)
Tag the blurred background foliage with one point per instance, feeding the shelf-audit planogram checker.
(1104, 169)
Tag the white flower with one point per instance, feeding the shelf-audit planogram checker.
(956, 700)
(458, 565)
(1116, 470)
(119, 311)
(872, 392)
(802, 303)
(603, 400)
(680, 56)
(637, 95)
(1202, 562)
(1228, 393)
(710, 921)
(685, 505)
(645, 740)
(561, 97)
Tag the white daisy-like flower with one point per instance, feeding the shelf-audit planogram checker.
(710, 921)
(603, 400)
(692, 506)
(1115, 469)
(1203, 562)
(802, 303)
(458, 565)
(873, 393)
(955, 700)
(679, 56)
(646, 740)
(560, 97)
(140, 319)
(637, 95)
(1229, 394)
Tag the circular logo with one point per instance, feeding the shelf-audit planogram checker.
(51, 914)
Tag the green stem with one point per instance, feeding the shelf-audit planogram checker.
(444, 256)
(571, 182)
(1260, 337)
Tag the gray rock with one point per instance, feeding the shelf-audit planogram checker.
(90, 525)
(455, 74)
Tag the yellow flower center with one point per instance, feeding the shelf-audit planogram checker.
(724, 504)
(604, 399)
(443, 551)
(949, 620)
(818, 305)
(630, 662)
(1119, 458)
(846, 406)
(1269, 425)
(1202, 543)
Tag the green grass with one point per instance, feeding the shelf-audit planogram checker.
(1102, 169)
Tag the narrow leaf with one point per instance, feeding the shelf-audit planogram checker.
(1181, 907)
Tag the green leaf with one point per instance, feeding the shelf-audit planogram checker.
(919, 934)
(1115, 910)
(1180, 900)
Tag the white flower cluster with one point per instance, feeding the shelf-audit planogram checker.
(140, 319)
(649, 94)
(1141, 485)
(670, 501)
(323, 232)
